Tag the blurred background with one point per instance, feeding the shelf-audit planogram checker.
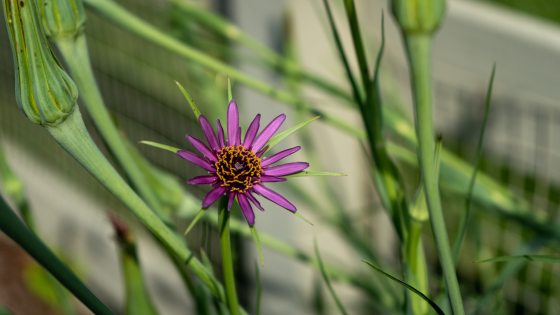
(522, 37)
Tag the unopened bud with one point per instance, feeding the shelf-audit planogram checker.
(62, 18)
(418, 16)
(45, 93)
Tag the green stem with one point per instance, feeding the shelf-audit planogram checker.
(17, 231)
(419, 53)
(227, 258)
(73, 136)
(416, 271)
(75, 53)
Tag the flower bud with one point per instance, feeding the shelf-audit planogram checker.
(44, 92)
(418, 16)
(62, 18)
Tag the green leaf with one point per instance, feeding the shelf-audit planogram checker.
(229, 93)
(315, 173)
(195, 220)
(531, 258)
(189, 99)
(327, 280)
(407, 286)
(465, 218)
(161, 146)
(11, 225)
(280, 136)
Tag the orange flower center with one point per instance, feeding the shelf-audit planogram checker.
(238, 168)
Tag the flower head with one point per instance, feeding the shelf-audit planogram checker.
(236, 166)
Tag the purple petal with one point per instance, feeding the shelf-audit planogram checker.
(278, 156)
(254, 201)
(197, 160)
(202, 180)
(268, 132)
(232, 123)
(252, 131)
(285, 169)
(208, 132)
(213, 195)
(239, 135)
(271, 179)
(221, 138)
(202, 148)
(231, 198)
(274, 197)
(246, 209)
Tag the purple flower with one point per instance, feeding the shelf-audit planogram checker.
(236, 166)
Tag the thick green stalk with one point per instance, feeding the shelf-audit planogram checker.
(419, 53)
(73, 136)
(17, 231)
(227, 258)
(75, 52)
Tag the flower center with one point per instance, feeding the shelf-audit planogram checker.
(238, 168)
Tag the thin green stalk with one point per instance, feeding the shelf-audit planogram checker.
(227, 258)
(73, 136)
(17, 231)
(418, 49)
(125, 19)
(75, 52)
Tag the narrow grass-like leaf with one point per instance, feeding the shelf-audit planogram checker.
(306, 220)
(433, 304)
(19, 233)
(327, 280)
(195, 220)
(530, 258)
(315, 173)
(465, 218)
(161, 146)
(189, 99)
(258, 290)
(257, 241)
(359, 49)
(342, 55)
(282, 135)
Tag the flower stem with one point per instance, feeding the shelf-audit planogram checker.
(72, 135)
(227, 258)
(418, 48)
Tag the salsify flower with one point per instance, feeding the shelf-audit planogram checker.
(236, 167)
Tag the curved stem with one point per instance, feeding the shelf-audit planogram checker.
(227, 258)
(418, 48)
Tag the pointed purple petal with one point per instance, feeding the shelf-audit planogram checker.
(268, 132)
(197, 160)
(208, 132)
(271, 179)
(254, 201)
(202, 180)
(202, 148)
(246, 209)
(231, 198)
(252, 131)
(212, 196)
(221, 137)
(274, 197)
(278, 156)
(285, 169)
(232, 123)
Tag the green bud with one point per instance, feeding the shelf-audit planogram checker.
(418, 16)
(62, 18)
(44, 92)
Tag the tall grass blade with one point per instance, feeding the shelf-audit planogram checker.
(465, 218)
(433, 304)
(327, 280)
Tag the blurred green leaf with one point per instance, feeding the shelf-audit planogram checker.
(161, 146)
(529, 258)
